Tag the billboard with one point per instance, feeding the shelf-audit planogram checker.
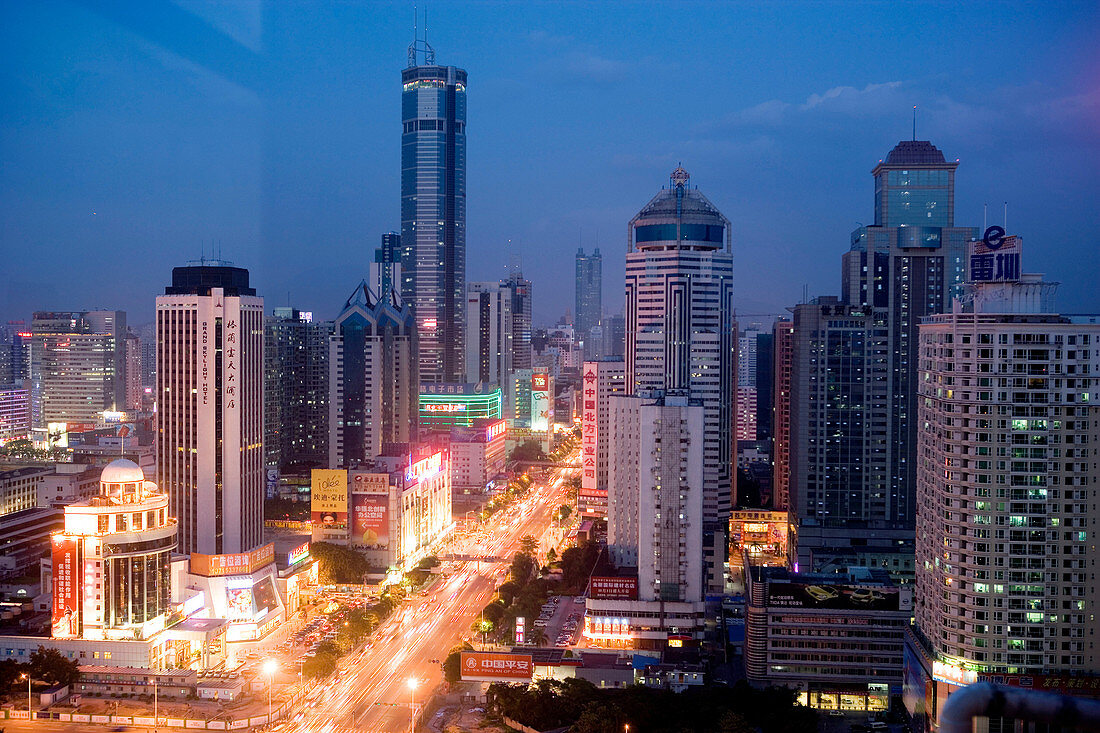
(542, 410)
(363, 482)
(328, 502)
(66, 587)
(996, 257)
(496, 667)
(607, 588)
(370, 520)
(241, 563)
(591, 498)
(840, 597)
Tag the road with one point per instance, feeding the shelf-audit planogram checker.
(371, 691)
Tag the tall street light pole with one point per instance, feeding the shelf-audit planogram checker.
(28, 678)
(412, 705)
(270, 666)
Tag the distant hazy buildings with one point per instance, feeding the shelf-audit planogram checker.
(210, 429)
(433, 212)
(588, 293)
(78, 365)
(373, 379)
(296, 384)
(681, 336)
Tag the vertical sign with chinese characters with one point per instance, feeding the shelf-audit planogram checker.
(521, 627)
(591, 499)
(233, 458)
(66, 587)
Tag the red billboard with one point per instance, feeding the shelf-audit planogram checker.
(370, 520)
(66, 587)
(495, 667)
(608, 588)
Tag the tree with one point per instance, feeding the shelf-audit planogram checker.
(522, 568)
(529, 546)
(9, 673)
(538, 637)
(339, 564)
(577, 564)
(551, 555)
(564, 511)
(507, 592)
(528, 451)
(50, 666)
(452, 672)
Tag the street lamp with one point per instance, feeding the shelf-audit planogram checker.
(27, 677)
(412, 705)
(269, 668)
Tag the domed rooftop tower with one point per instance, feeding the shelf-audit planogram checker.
(677, 217)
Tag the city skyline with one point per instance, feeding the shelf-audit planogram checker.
(247, 145)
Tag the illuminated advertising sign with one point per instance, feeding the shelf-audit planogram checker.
(953, 674)
(496, 430)
(591, 498)
(237, 564)
(299, 553)
(328, 502)
(424, 468)
(840, 597)
(542, 413)
(446, 407)
(496, 667)
(369, 483)
(238, 604)
(521, 625)
(996, 257)
(608, 588)
(66, 587)
(370, 520)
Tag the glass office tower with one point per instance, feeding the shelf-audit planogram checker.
(433, 212)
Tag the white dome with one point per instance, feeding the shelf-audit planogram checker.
(122, 471)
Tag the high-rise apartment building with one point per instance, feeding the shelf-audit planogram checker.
(489, 322)
(133, 371)
(765, 371)
(655, 496)
(373, 379)
(681, 335)
(783, 355)
(433, 211)
(296, 389)
(588, 292)
(210, 408)
(78, 365)
(387, 258)
(520, 289)
(1006, 495)
(15, 352)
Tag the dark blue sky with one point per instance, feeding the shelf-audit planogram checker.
(132, 133)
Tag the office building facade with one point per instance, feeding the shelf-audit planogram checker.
(433, 213)
(489, 341)
(783, 359)
(78, 366)
(681, 334)
(210, 421)
(373, 377)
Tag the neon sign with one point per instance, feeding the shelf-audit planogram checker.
(495, 430)
(425, 468)
(446, 407)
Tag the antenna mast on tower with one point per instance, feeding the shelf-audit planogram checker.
(420, 44)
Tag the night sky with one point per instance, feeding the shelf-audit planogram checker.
(134, 135)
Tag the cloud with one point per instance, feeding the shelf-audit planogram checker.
(850, 100)
(591, 67)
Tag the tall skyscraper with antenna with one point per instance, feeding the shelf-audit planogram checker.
(433, 210)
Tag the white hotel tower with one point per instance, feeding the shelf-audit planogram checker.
(210, 408)
(1006, 489)
(681, 335)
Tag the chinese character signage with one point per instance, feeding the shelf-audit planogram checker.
(328, 501)
(370, 520)
(591, 498)
(494, 667)
(66, 587)
(607, 588)
(996, 258)
(241, 563)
